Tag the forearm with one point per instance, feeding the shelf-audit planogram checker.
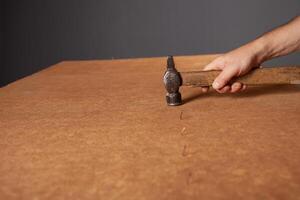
(279, 42)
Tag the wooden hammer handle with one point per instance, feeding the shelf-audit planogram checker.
(260, 76)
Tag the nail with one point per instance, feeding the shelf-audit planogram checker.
(216, 85)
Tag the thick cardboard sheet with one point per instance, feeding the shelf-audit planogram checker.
(102, 130)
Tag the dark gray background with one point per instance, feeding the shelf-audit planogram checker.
(38, 33)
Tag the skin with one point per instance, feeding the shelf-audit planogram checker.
(279, 42)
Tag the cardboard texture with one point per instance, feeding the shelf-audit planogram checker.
(102, 130)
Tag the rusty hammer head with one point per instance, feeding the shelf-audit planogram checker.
(172, 81)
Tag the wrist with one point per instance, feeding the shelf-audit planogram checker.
(259, 49)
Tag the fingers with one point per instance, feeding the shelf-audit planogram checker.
(225, 89)
(244, 88)
(221, 83)
(224, 77)
(238, 87)
(235, 87)
(204, 89)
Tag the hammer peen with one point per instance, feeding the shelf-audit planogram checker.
(260, 76)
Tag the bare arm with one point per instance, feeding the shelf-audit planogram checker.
(281, 41)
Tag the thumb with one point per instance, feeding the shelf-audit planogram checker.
(224, 77)
(214, 65)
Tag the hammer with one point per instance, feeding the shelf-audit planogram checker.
(260, 76)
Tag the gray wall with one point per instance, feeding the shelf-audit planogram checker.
(39, 33)
(1, 43)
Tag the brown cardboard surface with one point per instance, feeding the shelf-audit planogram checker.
(102, 130)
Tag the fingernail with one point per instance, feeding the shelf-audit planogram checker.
(216, 85)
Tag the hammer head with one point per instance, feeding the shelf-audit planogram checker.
(172, 81)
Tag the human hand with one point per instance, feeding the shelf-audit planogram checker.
(281, 41)
(233, 64)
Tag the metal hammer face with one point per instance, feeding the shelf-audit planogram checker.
(172, 81)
